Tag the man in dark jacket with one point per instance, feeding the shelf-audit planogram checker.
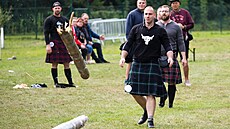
(89, 35)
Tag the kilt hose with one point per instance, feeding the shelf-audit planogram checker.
(173, 74)
(146, 79)
(59, 53)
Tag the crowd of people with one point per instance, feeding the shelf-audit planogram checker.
(149, 35)
(56, 50)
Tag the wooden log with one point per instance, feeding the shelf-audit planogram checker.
(67, 37)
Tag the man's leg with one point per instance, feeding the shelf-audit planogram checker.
(67, 72)
(84, 53)
(186, 68)
(171, 94)
(94, 57)
(54, 73)
(163, 98)
(99, 52)
(151, 106)
(141, 100)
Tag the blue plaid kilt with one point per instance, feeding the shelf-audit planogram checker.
(146, 79)
(173, 74)
(59, 53)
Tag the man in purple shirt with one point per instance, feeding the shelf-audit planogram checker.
(185, 21)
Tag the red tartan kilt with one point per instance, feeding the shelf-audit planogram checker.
(59, 53)
(173, 74)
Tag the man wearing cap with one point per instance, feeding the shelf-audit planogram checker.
(55, 48)
(185, 21)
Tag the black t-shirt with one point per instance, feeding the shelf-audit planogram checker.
(147, 42)
(50, 27)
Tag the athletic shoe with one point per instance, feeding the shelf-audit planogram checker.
(90, 62)
(151, 123)
(143, 118)
(187, 83)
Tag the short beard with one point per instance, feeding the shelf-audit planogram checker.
(165, 19)
(57, 13)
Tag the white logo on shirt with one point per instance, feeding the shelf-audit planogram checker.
(147, 38)
(59, 24)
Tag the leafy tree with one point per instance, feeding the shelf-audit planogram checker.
(203, 12)
(5, 16)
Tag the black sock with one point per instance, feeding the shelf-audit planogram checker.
(54, 75)
(68, 75)
(171, 93)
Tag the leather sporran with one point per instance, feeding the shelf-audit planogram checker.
(163, 61)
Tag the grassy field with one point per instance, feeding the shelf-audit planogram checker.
(204, 105)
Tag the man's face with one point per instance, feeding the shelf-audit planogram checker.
(149, 15)
(85, 19)
(74, 22)
(164, 14)
(57, 10)
(175, 5)
(141, 4)
(158, 14)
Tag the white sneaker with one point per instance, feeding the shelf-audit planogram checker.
(90, 62)
(187, 83)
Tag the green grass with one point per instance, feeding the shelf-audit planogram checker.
(204, 105)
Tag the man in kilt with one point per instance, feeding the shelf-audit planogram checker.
(184, 19)
(55, 48)
(135, 17)
(145, 77)
(172, 75)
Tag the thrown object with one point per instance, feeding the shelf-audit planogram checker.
(67, 37)
(75, 123)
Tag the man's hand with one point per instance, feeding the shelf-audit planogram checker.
(170, 61)
(122, 62)
(170, 58)
(102, 37)
(184, 62)
(48, 49)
